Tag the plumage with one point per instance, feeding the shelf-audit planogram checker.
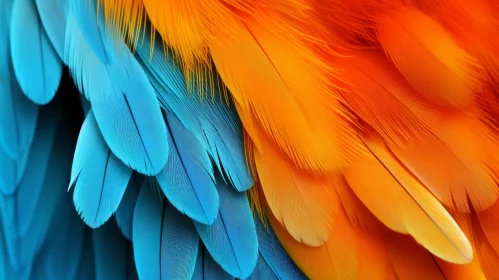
(157, 225)
(36, 65)
(231, 239)
(249, 139)
(97, 172)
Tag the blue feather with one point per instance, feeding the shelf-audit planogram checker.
(124, 214)
(263, 271)
(11, 172)
(113, 253)
(86, 270)
(18, 114)
(207, 268)
(63, 248)
(39, 190)
(275, 255)
(158, 227)
(6, 269)
(53, 14)
(97, 34)
(232, 240)
(37, 67)
(187, 179)
(124, 104)
(212, 121)
(100, 178)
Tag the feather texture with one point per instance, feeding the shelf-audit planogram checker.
(99, 177)
(206, 268)
(32, 52)
(231, 239)
(124, 213)
(53, 14)
(157, 225)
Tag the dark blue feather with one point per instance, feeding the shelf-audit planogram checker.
(187, 179)
(211, 120)
(232, 240)
(113, 253)
(53, 14)
(37, 67)
(11, 171)
(40, 189)
(263, 271)
(63, 247)
(274, 254)
(86, 270)
(100, 178)
(124, 103)
(207, 268)
(165, 241)
(124, 214)
(18, 114)
(97, 34)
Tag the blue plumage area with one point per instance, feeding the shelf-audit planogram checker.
(111, 165)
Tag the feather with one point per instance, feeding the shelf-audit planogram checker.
(211, 120)
(53, 14)
(86, 270)
(297, 110)
(273, 255)
(206, 268)
(6, 269)
(262, 271)
(97, 34)
(157, 225)
(99, 177)
(36, 65)
(11, 171)
(113, 253)
(305, 204)
(187, 179)
(231, 239)
(413, 209)
(123, 102)
(40, 190)
(63, 247)
(441, 65)
(124, 214)
(18, 114)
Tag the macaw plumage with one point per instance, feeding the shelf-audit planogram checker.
(249, 139)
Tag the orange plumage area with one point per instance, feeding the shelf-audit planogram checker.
(371, 124)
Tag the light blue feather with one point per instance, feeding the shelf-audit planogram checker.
(113, 253)
(124, 103)
(18, 114)
(37, 67)
(63, 247)
(187, 179)
(158, 227)
(97, 34)
(6, 269)
(232, 240)
(100, 178)
(53, 14)
(263, 271)
(214, 122)
(274, 254)
(124, 214)
(207, 268)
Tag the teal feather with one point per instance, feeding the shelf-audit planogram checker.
(113, 254)
(124, 214)
(158, 227)
(206, 268)
(263, 271)
(187, 179)
(86, 269)
(99, 177)
(36, 65)
(232, 240)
